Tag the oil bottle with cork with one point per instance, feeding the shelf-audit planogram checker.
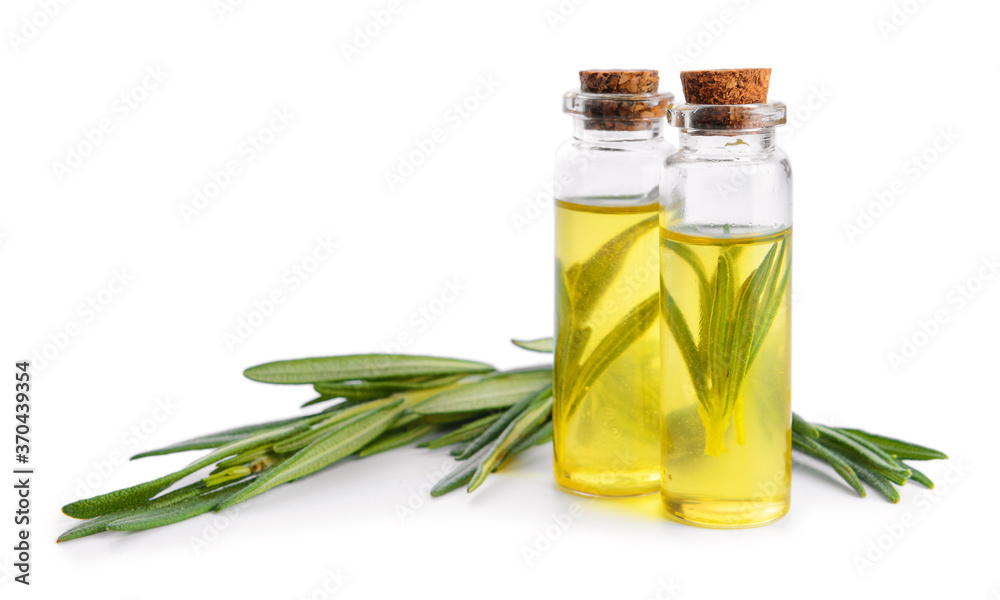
(725, 260)
(607, 355)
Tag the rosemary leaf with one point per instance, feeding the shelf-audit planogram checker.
(373, 390)
(775, 292)
(832, 436)
(461, 475)
(625, 332)
(351, 392)
(317, 400)
(920, 478)
(175, 513)
(681, 334)
(688, 256)
(88, 528)
(747, 322)
(704, 293)
(900, 449)
(361, 367)
(201, 443)
(596, 273)
(539, 345)
(220, 438)
(718, 357)
(498, 391)
(568, 354)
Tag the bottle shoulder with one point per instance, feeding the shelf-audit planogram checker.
(681, 158)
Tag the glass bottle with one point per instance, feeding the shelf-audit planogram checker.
(607, 363)
(725, 256)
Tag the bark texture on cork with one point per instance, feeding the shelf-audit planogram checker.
(619, 81)
(726, 86)
(629, 113)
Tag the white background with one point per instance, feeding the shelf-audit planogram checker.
(865, 99)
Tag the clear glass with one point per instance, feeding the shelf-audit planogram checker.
(607, 363)
(725, 260)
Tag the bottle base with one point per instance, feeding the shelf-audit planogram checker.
(582, 487)
(715, 514)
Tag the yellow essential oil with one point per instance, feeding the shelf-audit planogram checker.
(607, 353)
(726, 412)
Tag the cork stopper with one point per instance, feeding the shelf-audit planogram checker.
(618, 99)
(728, 90)
(619, 81)
(726, 86)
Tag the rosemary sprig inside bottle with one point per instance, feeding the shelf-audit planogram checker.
(735, 317)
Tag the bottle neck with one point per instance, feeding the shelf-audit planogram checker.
(716, 144)
(647, 132)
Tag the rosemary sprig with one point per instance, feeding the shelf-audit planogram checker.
(489, 416)
(873, 460)
(734, 323)
(578, 291)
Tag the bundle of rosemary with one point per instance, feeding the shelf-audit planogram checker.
(379, 402)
